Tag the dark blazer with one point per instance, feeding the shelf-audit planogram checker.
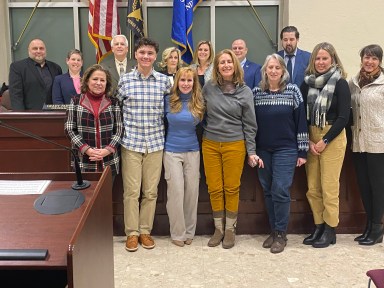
(301, 63)
(27, 88)
(110, 64)
(252, 74)
(63, 89)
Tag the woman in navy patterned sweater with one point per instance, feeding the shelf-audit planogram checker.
(282, 143)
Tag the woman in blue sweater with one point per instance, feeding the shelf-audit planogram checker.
(282, 143)
(184, 109)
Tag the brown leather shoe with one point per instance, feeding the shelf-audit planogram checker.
(146, 241)
(132, 243)
(178, 243)
(268, 242)
(188, 241)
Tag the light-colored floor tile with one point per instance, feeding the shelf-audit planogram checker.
(246, 265)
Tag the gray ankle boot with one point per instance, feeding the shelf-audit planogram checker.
(229, 235)
(219, 232)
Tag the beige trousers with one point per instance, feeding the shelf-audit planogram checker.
(140, 170)
(323, 175)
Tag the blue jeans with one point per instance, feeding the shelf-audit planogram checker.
(276, 179)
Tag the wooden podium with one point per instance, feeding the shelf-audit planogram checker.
(79, 243)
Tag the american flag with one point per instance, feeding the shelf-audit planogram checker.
(103, 24)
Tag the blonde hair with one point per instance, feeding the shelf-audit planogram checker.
(238, 74)
(195, 59)
(264, 84)
(196, 103)
(332, 52)
(165, 56)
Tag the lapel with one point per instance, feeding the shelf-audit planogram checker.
(297, 64)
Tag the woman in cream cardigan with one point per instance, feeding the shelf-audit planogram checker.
(367, 91)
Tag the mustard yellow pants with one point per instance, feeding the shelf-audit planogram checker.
(323, 175)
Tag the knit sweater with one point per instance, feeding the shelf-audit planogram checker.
(181, 133)
(368, 115)
(230, 116)
(281, 119)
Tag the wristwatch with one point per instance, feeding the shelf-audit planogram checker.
(325, 140)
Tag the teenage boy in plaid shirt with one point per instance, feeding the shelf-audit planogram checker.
(141, 93)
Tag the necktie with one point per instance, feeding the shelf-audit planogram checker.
(121, 66)
(289, 67)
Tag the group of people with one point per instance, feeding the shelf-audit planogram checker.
(294, 109)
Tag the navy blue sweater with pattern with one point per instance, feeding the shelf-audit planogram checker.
(281, 120)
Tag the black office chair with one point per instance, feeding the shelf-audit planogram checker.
(377, 277)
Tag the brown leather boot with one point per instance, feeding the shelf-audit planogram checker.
(279, 242)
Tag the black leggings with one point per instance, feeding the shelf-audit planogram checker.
(370, 177)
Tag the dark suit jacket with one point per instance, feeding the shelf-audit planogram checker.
(301, 63)
(63, 89)
(27, 88)
(110, 64)
(252, 74)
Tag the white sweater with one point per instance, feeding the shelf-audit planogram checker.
(368, 115)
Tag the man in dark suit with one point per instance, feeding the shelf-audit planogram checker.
(118, 64)
(252, 75)
(30, 79)
(299, 59)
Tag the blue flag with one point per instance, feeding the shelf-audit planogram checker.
(182, 22)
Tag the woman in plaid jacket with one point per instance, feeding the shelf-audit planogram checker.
(94, 122)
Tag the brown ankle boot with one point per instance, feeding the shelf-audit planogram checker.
(279, 242)
(216, 238)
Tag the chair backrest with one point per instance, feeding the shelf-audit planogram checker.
(6, 100)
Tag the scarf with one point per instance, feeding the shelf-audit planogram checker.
(320, 94)
(366, 78)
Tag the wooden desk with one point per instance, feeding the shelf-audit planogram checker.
(79, 243)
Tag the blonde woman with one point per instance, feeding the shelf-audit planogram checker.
(184, 109)
(202, 61)
(328, 102)
(170, 62)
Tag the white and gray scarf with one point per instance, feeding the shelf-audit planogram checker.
(320, 93)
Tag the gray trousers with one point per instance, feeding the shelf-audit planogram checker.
(182, 172)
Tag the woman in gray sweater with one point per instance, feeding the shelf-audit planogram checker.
(229, 134)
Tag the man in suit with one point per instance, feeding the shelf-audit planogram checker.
(30, 79)
(252, 75)
(118, 64)
(299, 59)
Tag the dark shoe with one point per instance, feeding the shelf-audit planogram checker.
(131, 244)
(279, 242)
(178, 243)
(229, 239)
(216, 238)
(375, 236)
(146, 241)
(366, 232)
(268, 242)
(319, 229)
(328, 237)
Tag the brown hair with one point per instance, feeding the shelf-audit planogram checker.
(238, 75)
(195, 59)
(88, 73)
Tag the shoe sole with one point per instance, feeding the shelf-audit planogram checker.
(131, 249)
(148, 247)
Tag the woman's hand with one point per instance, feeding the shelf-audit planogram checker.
(254, 160)
(312, 148)
(320, 146)
(300, 161)
(97, 154)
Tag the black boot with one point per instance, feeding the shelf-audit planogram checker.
(319, 229)
(376, 235)
(328, 237)
(366, 232)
